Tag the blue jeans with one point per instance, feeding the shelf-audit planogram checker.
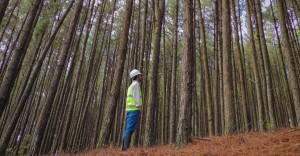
(132, 122)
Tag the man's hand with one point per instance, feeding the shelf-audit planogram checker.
(138, 107)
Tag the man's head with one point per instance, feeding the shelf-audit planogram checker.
(136, 75)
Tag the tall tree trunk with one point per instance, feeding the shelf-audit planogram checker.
(290, 62)
(110, 108)
(184, 123)
(173, 97)
(149, 136)
(144, 35)
(229, 113)
(216, 82)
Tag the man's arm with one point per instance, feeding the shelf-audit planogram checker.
(136, 95)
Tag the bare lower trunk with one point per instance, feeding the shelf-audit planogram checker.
(229, 113)
(184, 123)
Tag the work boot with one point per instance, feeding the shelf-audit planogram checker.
(129, 141)
(123, 148)
(125, 143)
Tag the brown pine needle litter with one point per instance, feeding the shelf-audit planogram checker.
(280, 142)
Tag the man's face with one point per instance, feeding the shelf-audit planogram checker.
(139, 78)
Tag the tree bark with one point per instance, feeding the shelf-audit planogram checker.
(184, 122)
(149, 136)
(173, 97)
(229, 113)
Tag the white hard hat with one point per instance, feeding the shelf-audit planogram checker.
(134, 73)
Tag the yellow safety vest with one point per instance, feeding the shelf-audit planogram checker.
(130, 103)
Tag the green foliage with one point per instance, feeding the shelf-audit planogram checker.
(270, 126)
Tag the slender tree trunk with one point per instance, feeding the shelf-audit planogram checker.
(149, 136)
(144, 35)
(229, 113)
(216, 82)
(173, 97)
(184, 123)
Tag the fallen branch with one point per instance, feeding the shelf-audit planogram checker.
(205, 139)
(294, 129)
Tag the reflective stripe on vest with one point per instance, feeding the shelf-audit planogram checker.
(130, 103)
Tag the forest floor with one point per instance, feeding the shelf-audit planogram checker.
(280, 142)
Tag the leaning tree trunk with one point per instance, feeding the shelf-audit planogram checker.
(46, 110)
(21, 104)
(184, 123)
(110, 109)
(13, 67)
(290, 62)
(152, 96)
(229, 113)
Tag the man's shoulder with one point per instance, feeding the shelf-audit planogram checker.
(135, 83)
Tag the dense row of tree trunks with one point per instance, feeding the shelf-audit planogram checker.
(22, 101)
(255, 69)
(267, 66)
(241, 68)
(204, 72)
(110, 107)
(289, 59)
(46, 110)
(21, 48)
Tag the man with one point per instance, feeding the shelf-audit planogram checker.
(133, 106)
